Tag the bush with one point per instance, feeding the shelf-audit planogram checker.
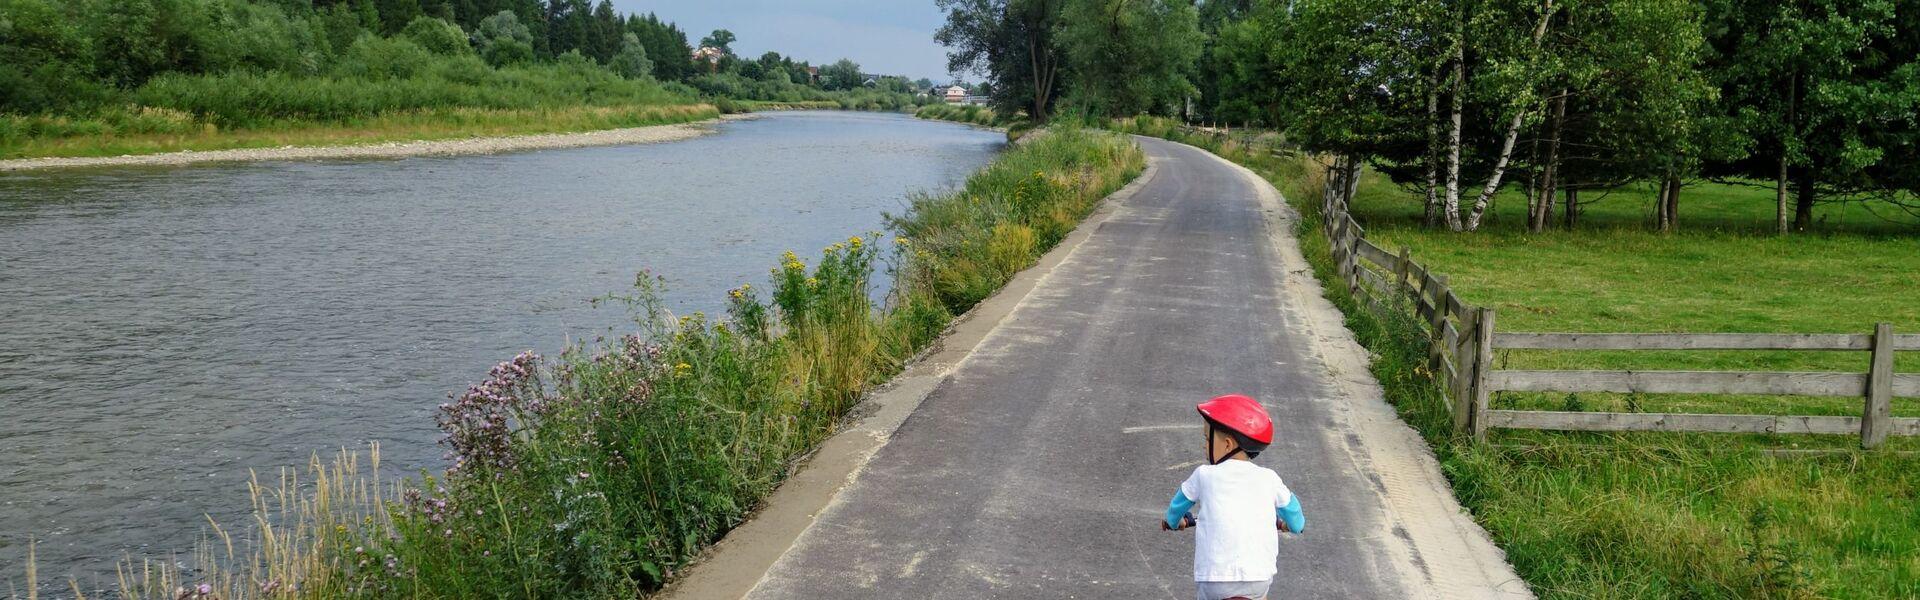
(437, 36)
(374, 57)
(632, 62)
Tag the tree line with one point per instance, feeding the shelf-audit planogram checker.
(299, 59)
(1457, 100)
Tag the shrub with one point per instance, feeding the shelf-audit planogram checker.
(632, 62)
(437, 36)
(375, 57)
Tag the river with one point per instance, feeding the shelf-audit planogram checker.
(165, 330)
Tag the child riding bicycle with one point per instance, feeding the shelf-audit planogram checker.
(1230, 499)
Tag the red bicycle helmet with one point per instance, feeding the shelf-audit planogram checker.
(1243, 418)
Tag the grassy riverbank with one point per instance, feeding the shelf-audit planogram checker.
(970, 114)
(1015, 126)
(90, 79)
(1654, 515)
(165, 131)
(601, 472)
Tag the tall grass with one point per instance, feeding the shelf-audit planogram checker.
(1657, 515)
(963, 113)
(148, 130)
(603, 471)
(180, 111)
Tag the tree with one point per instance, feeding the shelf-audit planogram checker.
(1823, 93)
(1216, 78)
(721, 39)
(604, 34)
(437, 36)
(843, 74)
(1131, 56)
(502, 40)
(632, 62)
(569, 26)
(1011, 42)
(666, 46)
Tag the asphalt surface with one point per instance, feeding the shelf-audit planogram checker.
(1040, 466)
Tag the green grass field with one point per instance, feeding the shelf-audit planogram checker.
(1658, 515)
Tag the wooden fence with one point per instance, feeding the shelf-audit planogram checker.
(1463, 339)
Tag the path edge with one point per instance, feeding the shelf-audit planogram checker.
(734, 566)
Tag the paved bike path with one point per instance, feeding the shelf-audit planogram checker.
(1038, 468)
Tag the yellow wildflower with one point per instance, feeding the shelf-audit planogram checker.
(682, 369)
(854, 241)
(811, 282)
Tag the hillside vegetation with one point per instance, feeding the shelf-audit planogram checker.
(101, 77)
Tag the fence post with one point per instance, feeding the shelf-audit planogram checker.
(1482, 362)
(1877, 417)
(1400, 274)
(1337, 245)
(1437, 319)
(1353, 257)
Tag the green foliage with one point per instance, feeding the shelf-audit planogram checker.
(970, 243)
(1570, 94)
(964, 113)
(721, 39)
(843, 74)
(1012, 43)
(502, 40)
(437, 36)
(1130, 56)
(632, 62)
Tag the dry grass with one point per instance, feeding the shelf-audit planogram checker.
(437, 124)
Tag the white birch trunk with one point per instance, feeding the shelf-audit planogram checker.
(1432, 207)
(1451, 205)
(1513, 131)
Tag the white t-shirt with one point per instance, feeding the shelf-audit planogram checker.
(1235, 502)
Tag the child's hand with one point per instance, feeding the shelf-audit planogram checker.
(1282, 525)
(1185, 522)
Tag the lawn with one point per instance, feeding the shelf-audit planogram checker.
(1658, 515)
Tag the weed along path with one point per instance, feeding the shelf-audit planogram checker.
(1038, 460)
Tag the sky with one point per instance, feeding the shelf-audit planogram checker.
(888, 37)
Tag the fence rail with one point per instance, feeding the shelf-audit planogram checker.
(1462, 340)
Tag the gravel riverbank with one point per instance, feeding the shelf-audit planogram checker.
(452, 147)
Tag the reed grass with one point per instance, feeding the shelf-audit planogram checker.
(967, 113)
(602, 472)
(146, 130)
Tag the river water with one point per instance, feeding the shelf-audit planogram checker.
(165, 330)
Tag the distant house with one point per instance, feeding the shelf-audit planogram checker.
(813, 75)
(711, 56)
(956, 94)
